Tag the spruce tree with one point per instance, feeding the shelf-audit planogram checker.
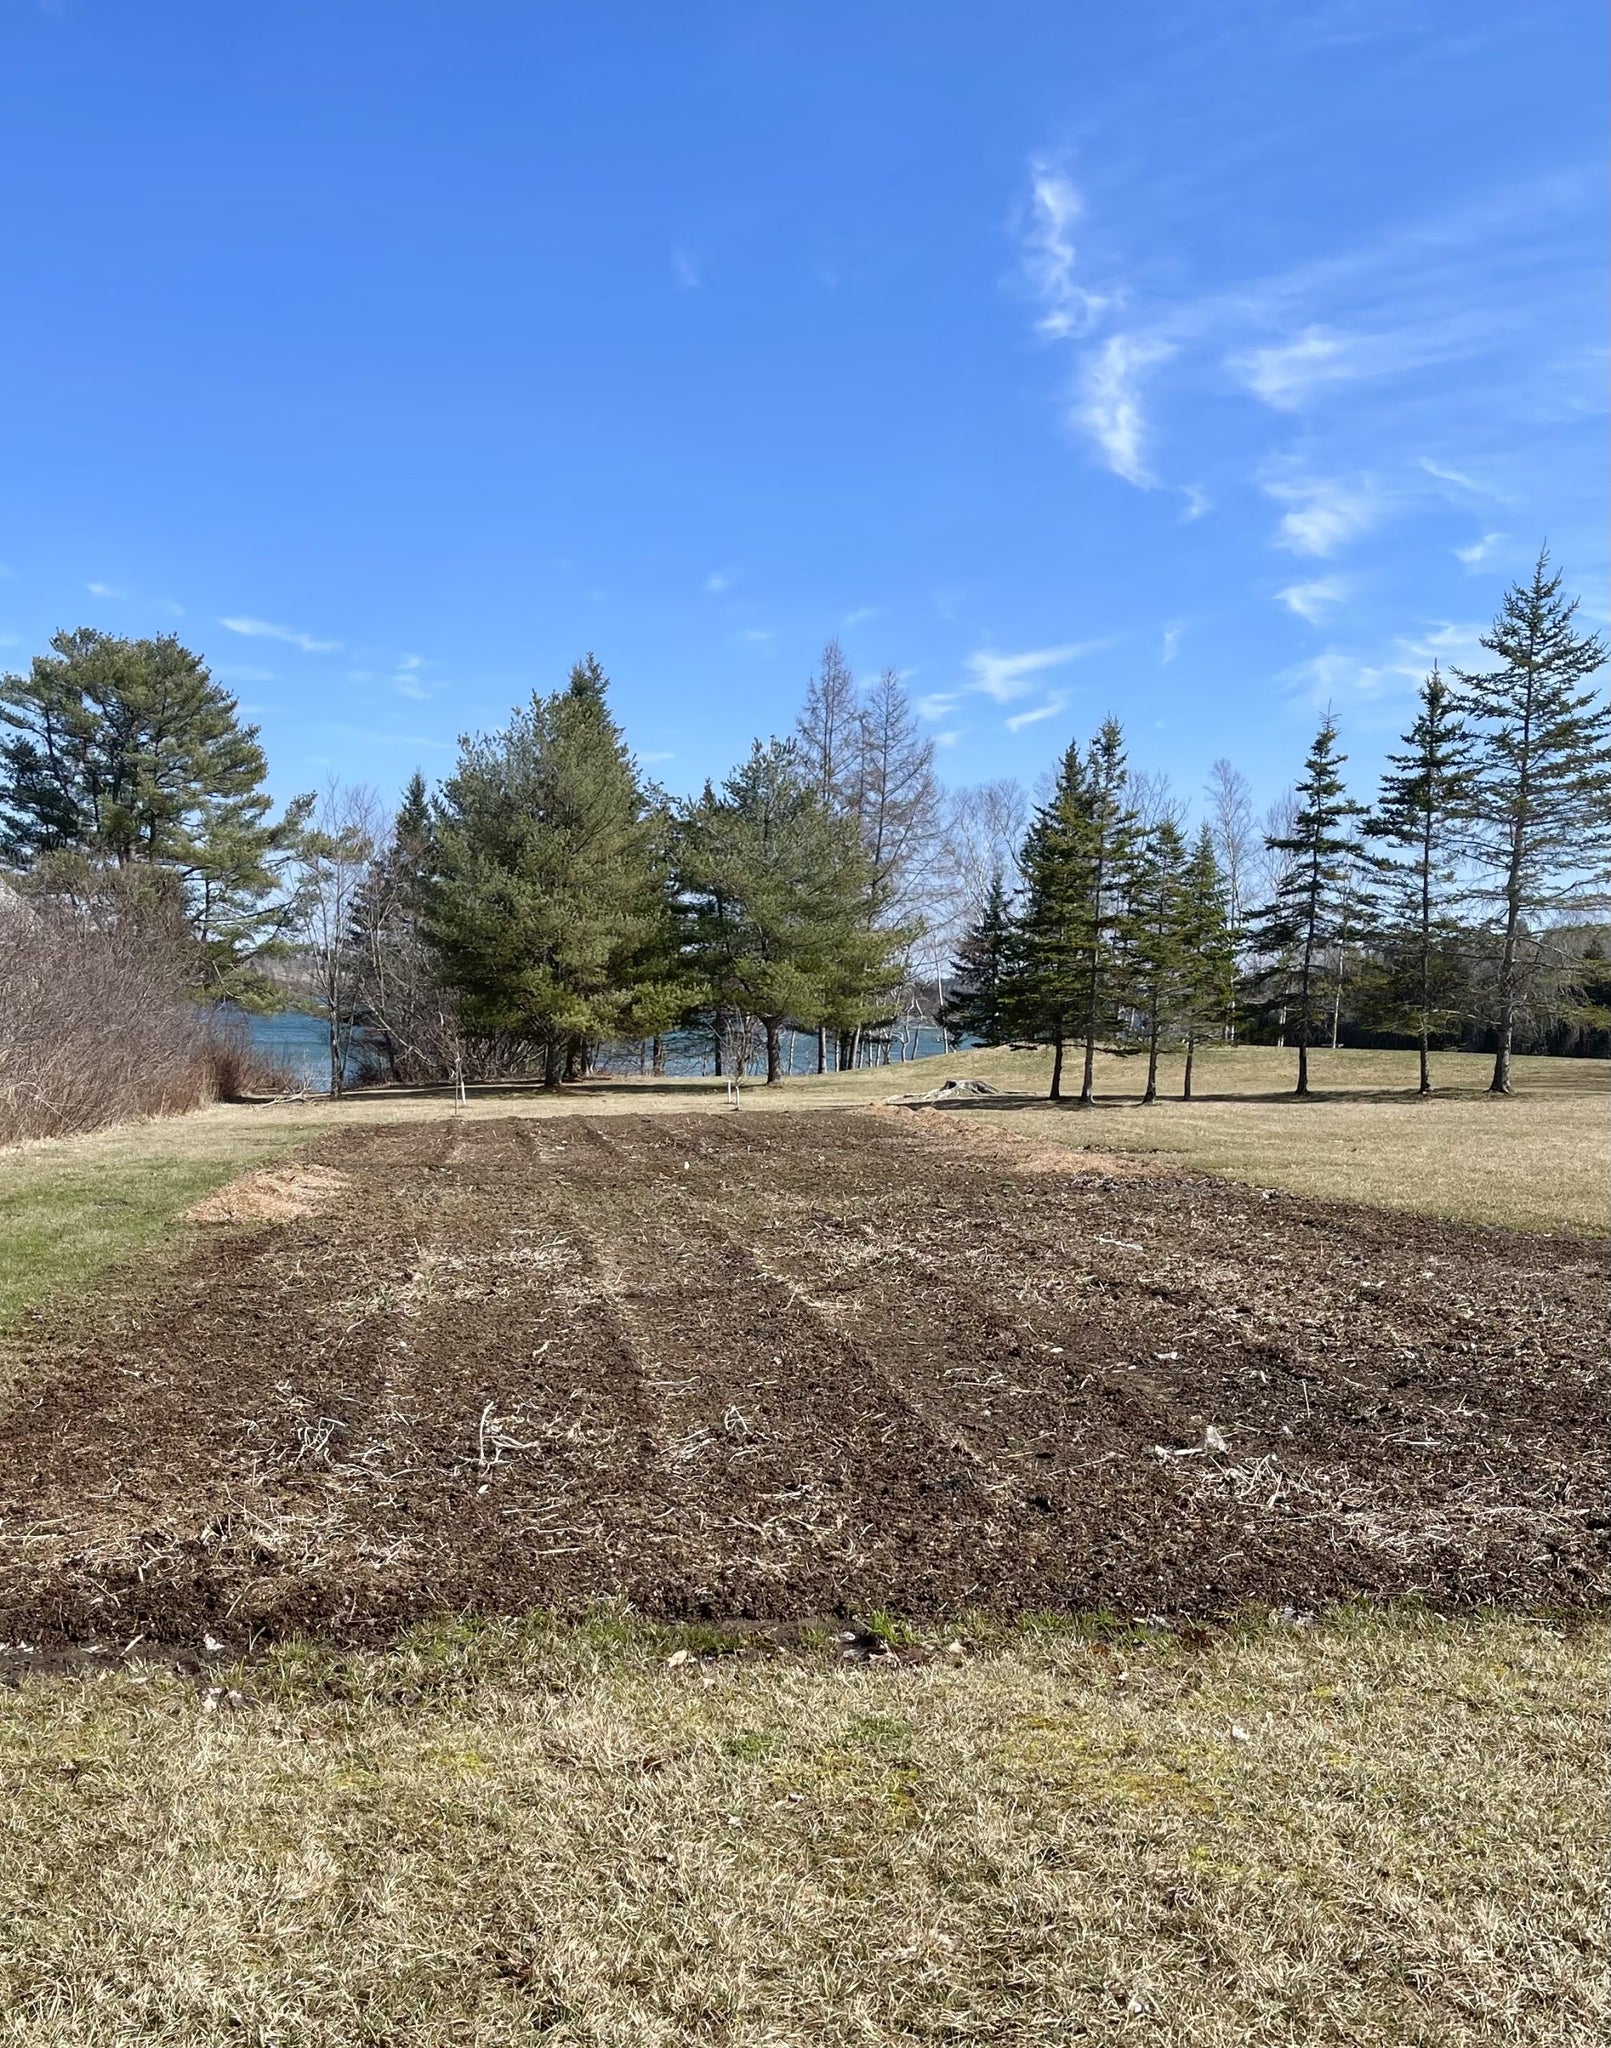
(1311, 898)
(1157, 933)
(1207, 950)
(771, 881)
(1537, 804)
(1046, 981)
(981, 971)
(1415, 818)
(1107, 836)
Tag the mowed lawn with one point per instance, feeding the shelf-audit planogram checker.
(1378, 1830)
(1351, 1828)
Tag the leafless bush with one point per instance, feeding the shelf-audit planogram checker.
(94, 1022)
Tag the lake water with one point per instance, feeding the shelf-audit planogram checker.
(301, 1044)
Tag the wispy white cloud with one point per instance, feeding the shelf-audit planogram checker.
(860, 615)
(1049, 255)
(241, 672)
(717, 581)
(1391, 677)
(1457, 478)
(1480, 550)
(103, 590)
(1323, 512)
(949, 739)
(940, 705)
(1005, 677)
(264, 629)
(651, 758)
(685, 270)
(1109, 405)
(1315, 600)
(1049, 709)
(1171, 643)
(1284, 374)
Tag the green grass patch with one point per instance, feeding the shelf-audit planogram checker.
(72, 1208)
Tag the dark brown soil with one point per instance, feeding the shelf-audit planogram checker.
(803, 1365)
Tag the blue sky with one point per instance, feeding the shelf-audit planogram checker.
(1205, 364)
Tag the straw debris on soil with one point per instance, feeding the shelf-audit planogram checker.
(274, 1194)
(806, 1366)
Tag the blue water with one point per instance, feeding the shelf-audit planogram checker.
(301, 1044)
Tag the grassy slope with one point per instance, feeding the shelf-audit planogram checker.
(1378, 1831)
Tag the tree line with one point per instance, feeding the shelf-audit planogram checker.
(548, 899)
(1467, 891)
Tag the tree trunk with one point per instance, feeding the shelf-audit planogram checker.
(336, 1075)
(1506, 1021)
(657, 1058)
(553, 1057)
(1088, 1073)
(822, 1048)
(1151, 1094)
(1191, 1052)
(774, 1072)
(1057, 1070)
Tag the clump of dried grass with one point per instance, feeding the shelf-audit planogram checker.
(273, 1194)
(1369, 1830)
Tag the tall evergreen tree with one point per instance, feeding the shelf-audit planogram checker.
(1157, 956)
(1078, 853)
(1315, 862)
(545, 886)
(1538, 801)
(1045, 982)
(1416, 813)
(762, 867)
(1207, 950)
(126, 753)
(1108, 836)
(977, 1004)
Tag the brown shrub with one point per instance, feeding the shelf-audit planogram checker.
(95, 1024)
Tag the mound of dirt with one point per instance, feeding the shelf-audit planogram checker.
(273, 1194)
(796, 1366)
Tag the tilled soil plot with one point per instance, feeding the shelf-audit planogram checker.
(801, 1366)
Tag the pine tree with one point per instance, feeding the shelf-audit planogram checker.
(1045, 980)
(126, 753)
(1415, 816)
(1207, 947)
(1108, 841)
(771, 881)
(1064, 986)
(977, 1004)
(1311, 896)
(1538, 801)
(1157, 928)
(545, 885)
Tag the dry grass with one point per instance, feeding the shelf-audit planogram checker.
(1540, 1161)
(1375, 1830)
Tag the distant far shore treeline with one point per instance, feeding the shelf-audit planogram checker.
(547, 900)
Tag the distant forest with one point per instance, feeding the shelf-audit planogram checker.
(546, 900)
